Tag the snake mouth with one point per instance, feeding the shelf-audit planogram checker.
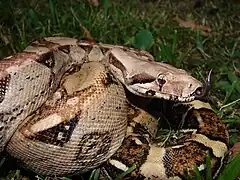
(202, 92)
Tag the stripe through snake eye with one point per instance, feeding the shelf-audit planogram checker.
(161, 82)
(141, 78)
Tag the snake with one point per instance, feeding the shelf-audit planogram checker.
(64, 110)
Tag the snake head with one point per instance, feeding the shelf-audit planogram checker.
(177, 86)
(154, 79)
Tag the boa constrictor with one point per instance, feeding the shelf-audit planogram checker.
(64, 110)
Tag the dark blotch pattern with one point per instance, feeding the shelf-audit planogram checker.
(213, 126)
(94, 146)
(59, 134)
(142, 78)
(178, 159)
(47, 59)
(130, 153)
(117, 63)
(150, 93)
(65, 49)
(4, 83)
(109, 79)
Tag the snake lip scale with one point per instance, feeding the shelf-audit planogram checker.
(64, 110)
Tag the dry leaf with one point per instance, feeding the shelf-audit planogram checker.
(4, 38)
(235, 149)
(192, 25)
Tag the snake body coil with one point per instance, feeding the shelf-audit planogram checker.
(64, 110)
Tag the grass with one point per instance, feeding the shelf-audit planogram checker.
(152, 25)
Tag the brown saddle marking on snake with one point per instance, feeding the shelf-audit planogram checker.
(64, 110)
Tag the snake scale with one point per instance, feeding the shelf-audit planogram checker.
(64, 110)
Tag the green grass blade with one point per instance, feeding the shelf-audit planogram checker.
(126, 172)
(197, 174)
(33, 18)
(106, 6)
(208, 168)
(174, 44)
(52, 12)
(166, 54)
(232, 170)
(95, 174)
